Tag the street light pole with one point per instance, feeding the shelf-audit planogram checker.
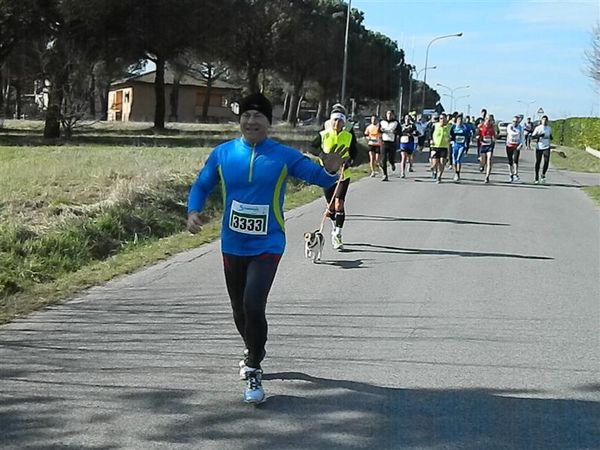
(427, 59)
(527, 105)
(452, 93)
(345, 66)
(459, 98)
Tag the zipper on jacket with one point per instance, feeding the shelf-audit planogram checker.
(251, 170)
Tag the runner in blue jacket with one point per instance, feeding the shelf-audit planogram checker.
(460, 135)
(253, 171)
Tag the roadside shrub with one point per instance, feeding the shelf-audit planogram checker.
(577, 132)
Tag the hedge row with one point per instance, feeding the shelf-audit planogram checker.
(577, 132)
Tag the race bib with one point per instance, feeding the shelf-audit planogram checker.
(404, 139)
(460, 139)
(514, 140)
(249, 219)
(487, 140)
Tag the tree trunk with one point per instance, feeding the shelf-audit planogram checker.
(55, 100)
(52, 125)
(6, 95)
(286, 106)
(174, 100)
(159, 94)
(298, 108)
(253, 85)
(18, 100)
(297, 103)
(1, 92)
(322, 109)
(206, 102)
(92, 96)
(292, 107)
(104, 101)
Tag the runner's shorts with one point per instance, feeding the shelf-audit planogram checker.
(407, 147)
(439, 152)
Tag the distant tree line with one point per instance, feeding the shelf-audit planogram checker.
(289, 49)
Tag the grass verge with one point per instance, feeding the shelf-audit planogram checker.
(594, 193)
(577, 160)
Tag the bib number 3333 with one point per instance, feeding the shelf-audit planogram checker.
(249, 219)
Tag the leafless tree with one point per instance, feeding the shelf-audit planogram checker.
(593, 56)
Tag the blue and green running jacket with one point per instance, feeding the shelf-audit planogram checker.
(253, 181)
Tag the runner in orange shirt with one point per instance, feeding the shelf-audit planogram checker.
(373, 137)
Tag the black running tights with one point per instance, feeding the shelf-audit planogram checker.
(388, 153)
(512, 154)
(538, 159)
(249, 280)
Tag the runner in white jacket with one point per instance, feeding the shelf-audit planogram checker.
(514, 143)
(543, 133)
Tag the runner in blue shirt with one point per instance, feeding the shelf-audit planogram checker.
(460, 135)
(252, 171)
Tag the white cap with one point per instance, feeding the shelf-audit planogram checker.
(337, 115)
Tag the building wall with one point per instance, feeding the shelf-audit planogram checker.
(140, 107)
(120, 102)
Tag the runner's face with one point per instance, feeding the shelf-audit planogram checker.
(337, 124)
(254, 126)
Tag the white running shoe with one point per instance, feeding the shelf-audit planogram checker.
(516, 178)
(336, 241)
(254, 392)
(455, 178)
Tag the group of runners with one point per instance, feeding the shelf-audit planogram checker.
(450, 138)
(253, 170)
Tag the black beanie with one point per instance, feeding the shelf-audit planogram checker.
(258, 102)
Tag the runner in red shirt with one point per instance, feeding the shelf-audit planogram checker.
(487, 141)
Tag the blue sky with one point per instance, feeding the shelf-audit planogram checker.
(528, 50)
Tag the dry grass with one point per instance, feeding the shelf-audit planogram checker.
(38, 184)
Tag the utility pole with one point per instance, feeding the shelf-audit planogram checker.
(345, 67)
(400, 100)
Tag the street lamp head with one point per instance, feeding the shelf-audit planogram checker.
(459, 34)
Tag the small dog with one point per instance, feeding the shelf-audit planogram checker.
(313, 245)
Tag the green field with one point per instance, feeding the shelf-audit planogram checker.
(73, 216)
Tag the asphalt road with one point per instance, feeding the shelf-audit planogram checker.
(458, 317)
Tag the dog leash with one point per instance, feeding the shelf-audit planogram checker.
(327, 209)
